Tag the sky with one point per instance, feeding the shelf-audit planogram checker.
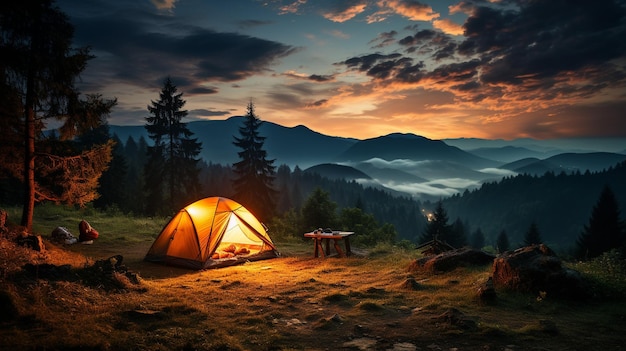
(505, 69)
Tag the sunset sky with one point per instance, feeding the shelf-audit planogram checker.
(365, 68)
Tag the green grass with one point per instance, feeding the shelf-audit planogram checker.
(112, 226)
(295, 302)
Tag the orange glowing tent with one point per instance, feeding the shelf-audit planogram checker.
(209, 233)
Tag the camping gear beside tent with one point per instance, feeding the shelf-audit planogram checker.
(210, 233)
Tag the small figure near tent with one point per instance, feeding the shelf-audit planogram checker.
(87, 233)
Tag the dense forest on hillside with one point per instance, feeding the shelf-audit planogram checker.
(559, 204)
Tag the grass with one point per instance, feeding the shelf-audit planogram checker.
(294, 302)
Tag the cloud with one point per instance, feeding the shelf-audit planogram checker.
(515, 59)
(343, 11)
(411, 9)
(164, 4)
(448, 26)
(142, 53)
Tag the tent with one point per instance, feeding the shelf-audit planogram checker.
(209, 233)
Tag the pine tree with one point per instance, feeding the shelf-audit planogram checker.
(171, 172)
(459, 236)
(437, 227)
(532, 235)
(39, 68)
(319, 211)
(254, 173)
(502, 242)
(478, 239)
(605, 230)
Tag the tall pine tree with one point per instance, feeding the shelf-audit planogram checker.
(605, 230)
(254, 173)
(171, 172)
(39, 69)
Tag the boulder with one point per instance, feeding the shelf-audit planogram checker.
(536, 269)
(33, 242)
(449, 260)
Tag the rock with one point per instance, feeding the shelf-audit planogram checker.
(536, 269)
(486, 293)
(33, 242)
(449, 260)
(411, 284)
(457, 318)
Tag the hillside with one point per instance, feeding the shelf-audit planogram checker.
(367, 302)
(560, 204)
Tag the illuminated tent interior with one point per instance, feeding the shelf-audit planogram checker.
(210, 233)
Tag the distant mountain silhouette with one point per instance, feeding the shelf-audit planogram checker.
(406, 163)
(287, 145)
(410, 147)
(507, 153)
(335, 171)
(566, 162)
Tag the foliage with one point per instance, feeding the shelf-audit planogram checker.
(438, 227)
(605, 230)
(254, 173)
(559, 203)
(607, 272)
(478, 239)
(502, 242)
(39, 68)
(318, 211)
(171, 173)
(532, 235)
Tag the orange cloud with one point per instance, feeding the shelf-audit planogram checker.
(412, 10)
(346, 14)
(448, 26)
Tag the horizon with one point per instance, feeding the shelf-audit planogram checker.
(360, 69)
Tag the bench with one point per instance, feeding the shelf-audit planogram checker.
(322, 240)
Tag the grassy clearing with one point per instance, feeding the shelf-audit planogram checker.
(295, 302)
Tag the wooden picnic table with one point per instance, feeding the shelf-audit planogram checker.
(322, 240)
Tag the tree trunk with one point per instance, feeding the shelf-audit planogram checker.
(29, 141)
(29, 169)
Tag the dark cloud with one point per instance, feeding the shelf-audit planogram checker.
(554, 48)
(318, 103)
(143, 53)
(321, 78)
(208, 113)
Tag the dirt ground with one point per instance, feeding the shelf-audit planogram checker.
(294, 302)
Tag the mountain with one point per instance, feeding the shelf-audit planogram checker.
(398, 146)
(566, 162)
(507, 153)
(405, 163)
(335, 171)
(549, 147)
(293, 146)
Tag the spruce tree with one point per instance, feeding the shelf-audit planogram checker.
(532, 235)
(502, 242)
(254, 173)
(478, 239)
(37, 82)
(437, 227)
(605, 230)
(171, 172)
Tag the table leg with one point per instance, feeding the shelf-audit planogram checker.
(346, 240)
(338, 248)
(319, 250)
(327, 246)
